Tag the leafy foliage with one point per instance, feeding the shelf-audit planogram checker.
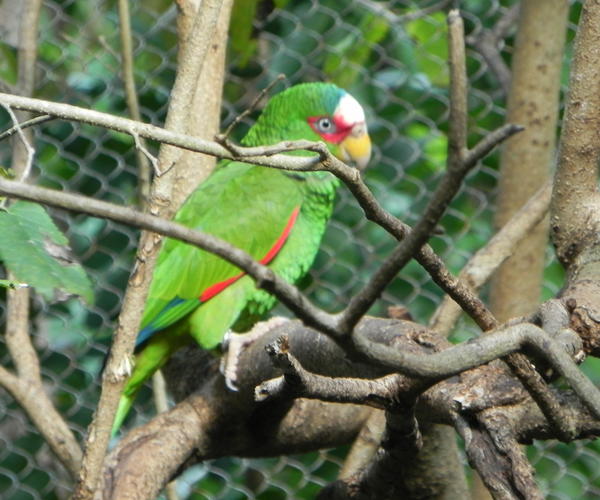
(37, 253)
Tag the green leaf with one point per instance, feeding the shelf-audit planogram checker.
(37, 253)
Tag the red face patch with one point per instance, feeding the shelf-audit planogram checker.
(331, 129)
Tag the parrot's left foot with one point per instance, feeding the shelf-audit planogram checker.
(235, 343)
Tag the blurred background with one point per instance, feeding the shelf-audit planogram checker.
(391, 55)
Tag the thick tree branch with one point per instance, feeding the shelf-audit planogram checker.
(574, 212)
(461, 357)
(387, 476)
(204, 113)
(538, 55)
(364, 447)
(500, 461)
(118, 366)
(191, 60)
(297, 382)
(457, 135)
(435, 367)
(216, 421)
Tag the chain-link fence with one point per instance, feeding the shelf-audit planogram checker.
(392, 56)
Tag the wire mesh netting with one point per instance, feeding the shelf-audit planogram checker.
(392, 56)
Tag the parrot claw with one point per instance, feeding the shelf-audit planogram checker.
(234, 345)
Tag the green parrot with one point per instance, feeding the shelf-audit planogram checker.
(276, 216)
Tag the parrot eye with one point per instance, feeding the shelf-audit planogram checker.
(325, 125)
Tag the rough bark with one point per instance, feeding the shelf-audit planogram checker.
(212, 421)
(118, 367)
(574, 221)
(205, 115)
(575, 207)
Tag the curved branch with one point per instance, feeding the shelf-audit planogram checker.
(439, 366)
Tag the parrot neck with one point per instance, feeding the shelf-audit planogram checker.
(315, 182)
(319, 197)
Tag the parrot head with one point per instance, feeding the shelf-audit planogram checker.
(315, 112)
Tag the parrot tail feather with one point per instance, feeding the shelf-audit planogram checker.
(125, 404)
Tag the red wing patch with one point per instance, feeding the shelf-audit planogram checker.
(217, 288)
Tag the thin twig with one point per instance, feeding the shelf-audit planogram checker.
(249, 109)
(298, 382)
(132, 100)
(127, 126)
(148, 156)
(23, 125)
(25, 167)
(490, 141)
(7, 87)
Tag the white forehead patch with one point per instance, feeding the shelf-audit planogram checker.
(349, 110)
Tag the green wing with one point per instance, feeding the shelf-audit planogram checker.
(246, 205)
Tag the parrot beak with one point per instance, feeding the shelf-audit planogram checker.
(356, 147)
